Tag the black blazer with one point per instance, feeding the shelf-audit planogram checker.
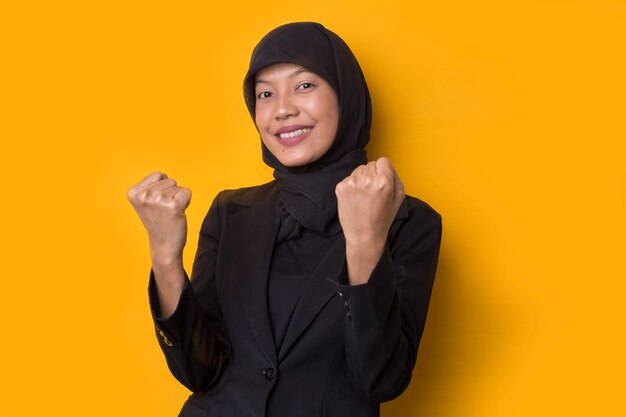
(348, 348)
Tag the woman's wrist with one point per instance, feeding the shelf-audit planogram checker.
(361, 259)
(167, 262)
(170, 278)
(169, 270)
(166, 258)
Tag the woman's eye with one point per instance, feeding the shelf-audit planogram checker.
(305, 86)
(264, 94)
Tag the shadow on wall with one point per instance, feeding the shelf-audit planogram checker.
(468, 331)
(457, 348)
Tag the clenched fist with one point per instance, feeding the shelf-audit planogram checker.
(161, 205)
(367, 202)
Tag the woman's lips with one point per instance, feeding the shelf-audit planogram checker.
(294, 136)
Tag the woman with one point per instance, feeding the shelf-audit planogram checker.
(308, 294)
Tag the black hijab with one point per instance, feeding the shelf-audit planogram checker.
(308, 191)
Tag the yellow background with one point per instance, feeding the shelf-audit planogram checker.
(506, 116)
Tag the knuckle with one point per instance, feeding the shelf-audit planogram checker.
(358, 169)
(168, 182)
(152, 177)
(150, 197)
(384, 160)
(130, 194)
(144, 200)
(383, 187)
(380, 184)
(147, 194)
(170, 204)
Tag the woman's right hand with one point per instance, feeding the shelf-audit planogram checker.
(161, 205)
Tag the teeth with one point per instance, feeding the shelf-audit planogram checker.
(295, 133)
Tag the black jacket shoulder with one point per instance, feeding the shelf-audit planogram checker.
(247, 196)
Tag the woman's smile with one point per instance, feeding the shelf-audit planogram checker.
(291, 135)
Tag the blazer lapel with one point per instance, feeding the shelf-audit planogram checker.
(254, 233)
(322, 287)
(319, 290)
(254, 229)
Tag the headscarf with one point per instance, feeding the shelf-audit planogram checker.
(308, 191)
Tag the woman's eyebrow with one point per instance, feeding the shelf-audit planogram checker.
(293, 74)
(298, 71)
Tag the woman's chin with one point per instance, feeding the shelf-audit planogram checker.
(293, 159)
(291, 163)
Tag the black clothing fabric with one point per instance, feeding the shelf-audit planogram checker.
(310, 197)
(308, 191)
(347, 348)
(297, 253)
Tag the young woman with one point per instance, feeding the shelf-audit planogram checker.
(308, 294)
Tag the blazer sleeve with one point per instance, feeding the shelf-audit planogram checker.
(193, 338)
(385, 317)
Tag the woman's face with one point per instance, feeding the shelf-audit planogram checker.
(296, 112)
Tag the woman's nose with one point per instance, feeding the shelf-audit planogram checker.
(285, 107)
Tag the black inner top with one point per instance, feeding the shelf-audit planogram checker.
(297, 253)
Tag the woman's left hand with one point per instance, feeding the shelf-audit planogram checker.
(367, 203)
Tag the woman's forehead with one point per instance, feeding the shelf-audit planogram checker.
(280, 70)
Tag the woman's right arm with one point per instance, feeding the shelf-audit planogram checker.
(190, 333)
(161, 204)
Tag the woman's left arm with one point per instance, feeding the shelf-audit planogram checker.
(386, 284)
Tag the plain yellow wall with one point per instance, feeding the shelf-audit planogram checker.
(506, 116)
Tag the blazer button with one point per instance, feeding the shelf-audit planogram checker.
(165, 339)
(268, 373)
(346, 306)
